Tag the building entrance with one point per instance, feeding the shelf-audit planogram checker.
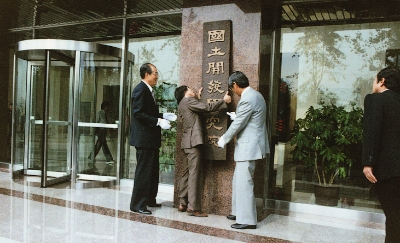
(68, 112)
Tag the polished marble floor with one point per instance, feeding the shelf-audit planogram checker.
(60, 214)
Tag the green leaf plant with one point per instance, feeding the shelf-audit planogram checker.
(164, 95)
(325, 139)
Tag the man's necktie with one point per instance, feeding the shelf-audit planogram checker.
(152, 94)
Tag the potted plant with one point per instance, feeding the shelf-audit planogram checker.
(324, 139)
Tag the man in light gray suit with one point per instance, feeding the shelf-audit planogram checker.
(249, 125)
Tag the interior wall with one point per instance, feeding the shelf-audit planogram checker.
(7, 10)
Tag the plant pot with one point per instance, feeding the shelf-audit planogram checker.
(326, 195)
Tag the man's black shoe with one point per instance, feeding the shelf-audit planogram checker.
(231, 217)
(142, 211)
(244, 226)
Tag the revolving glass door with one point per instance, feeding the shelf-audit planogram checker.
(68, 98)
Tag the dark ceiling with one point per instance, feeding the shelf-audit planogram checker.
(93, 20)
(96, 19)
(319, 12)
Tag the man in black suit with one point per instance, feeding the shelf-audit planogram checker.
(146, 137)
(381, 142)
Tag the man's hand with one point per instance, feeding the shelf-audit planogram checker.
(368, 173)
(227, 97)
(169, 116)
(221, 142)
(164, 124)
(232, 115)
(199, 93)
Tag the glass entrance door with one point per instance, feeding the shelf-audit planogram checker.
(49, 105)
(57, 116)
(98, 97)
(68, 112)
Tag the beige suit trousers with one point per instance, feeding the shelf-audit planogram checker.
(190, 185)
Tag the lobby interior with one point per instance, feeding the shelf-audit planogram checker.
(60, 213)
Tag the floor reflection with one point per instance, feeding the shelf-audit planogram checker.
(60, 214)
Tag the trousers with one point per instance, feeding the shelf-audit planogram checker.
(388, 192)
(190, 184)
(145, 187)
(243, 199)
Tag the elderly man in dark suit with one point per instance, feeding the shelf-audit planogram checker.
(146, 126)
(189, 110)
(250, 126)
(381, 142)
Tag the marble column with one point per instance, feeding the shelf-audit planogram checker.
(245, 57)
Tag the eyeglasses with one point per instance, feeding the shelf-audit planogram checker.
(155, 73)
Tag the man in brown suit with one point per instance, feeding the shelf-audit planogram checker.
(189, 109)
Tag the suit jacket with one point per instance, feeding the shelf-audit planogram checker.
(144, 130)
(189, 110)
(250, 127)
(381, 134)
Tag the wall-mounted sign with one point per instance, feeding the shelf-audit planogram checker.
(216, 70)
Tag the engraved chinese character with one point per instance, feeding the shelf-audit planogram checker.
(211, 123)
(213, 86)
(213, 140)
(215, 67)
(216, 52)
(212, 100)
(216, 36)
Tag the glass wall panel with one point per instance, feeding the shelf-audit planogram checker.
(164, 53)
(330, 68)
(19, 113)
(38, 73)
(129, 159)
(59, 115)
(99, 106)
